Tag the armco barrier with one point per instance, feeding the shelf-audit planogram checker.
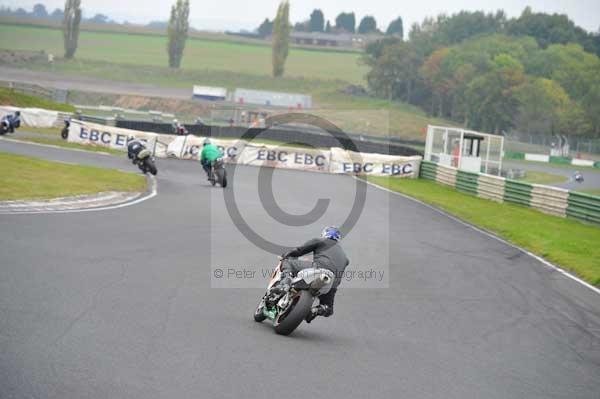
(315, 139)
(243, 152)
(517, 192)
(514, 155)
(551, 200)
(446, 176)
(584, 207)
(551, 159)
(561, 160)
(491, 187)
(428, 170)
(466, 182)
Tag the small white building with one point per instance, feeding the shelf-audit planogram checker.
(209, 93)
(465, 149)
(272, 98)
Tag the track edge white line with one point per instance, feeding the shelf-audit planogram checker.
(489, 234)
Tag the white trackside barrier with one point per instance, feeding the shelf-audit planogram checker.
(107, 136)
(34, 117)
(349, 162)
(333, 160)
(537, 157)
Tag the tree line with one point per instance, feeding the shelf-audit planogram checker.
(39, 11)
(345, 22)
(177, 27)
(537, 73)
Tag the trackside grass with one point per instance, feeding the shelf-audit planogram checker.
(33, 178)
(65, 144)
(569, 243)
(543, 178)
(16, 99)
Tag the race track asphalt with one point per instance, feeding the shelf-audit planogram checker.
(89, 84)
(591, 176)
(121, 304)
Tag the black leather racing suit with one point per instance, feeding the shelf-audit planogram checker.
(327, 254)
(134, 147)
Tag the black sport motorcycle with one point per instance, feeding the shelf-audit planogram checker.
(146, 162)
(218, 173)
(64, 133)
(287, 309)
(5, 126)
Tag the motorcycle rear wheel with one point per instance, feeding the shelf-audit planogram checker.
(288, 321)
(221, 177)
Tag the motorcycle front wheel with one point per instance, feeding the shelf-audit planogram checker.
(150, 166)
(287, 321)
(259, 315)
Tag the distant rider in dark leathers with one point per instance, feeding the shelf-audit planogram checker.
(134, 147)
(327, 254)
(14, 121)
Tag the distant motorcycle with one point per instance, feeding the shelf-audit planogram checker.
(180, 130)
(578, 177)
(146, 162)
(64, 133)
(5, 126)
(288, 309)
(218, 173)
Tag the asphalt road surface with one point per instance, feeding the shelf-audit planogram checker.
(122, 304)
(591, 176)
(83, 83)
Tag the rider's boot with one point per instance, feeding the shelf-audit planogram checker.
(321, 310)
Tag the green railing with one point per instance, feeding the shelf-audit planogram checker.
(517, 192)
(561, 160)
(584, 207)
(467, 182)
(428, 170)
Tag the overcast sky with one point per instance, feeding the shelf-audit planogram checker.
(247, 14)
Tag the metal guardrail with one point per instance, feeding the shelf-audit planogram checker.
(467, 182)
(584, 206)
(517, 192)
(551, 200)
(58, 95)
(287, 134)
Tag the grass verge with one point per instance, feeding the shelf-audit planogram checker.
(555, 165)
(34, 178)
(16, 99)
(543, 178)
(50, 131)
(569, 243)
(66, 144)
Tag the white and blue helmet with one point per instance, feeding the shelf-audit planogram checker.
(331, 232)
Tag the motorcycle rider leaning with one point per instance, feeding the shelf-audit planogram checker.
(134, 147)
(209, 154)
(327, 254)
(14, 121)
